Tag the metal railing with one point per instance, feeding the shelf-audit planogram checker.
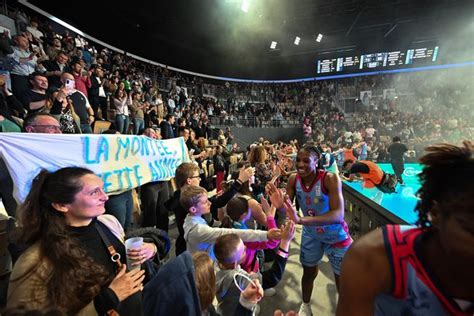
(254, 122)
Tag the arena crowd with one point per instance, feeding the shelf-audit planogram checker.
(235, 205)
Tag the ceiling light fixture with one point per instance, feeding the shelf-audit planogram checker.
(273, 45)
(319, 38)
(297, 40)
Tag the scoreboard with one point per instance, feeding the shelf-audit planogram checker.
(379, 61)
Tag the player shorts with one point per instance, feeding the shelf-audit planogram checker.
(313, 249)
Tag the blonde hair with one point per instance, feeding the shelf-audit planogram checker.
(205, 278)
(185, 171)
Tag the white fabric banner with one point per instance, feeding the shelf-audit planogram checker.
(123, 162)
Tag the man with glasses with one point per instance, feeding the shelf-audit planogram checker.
(42, 123)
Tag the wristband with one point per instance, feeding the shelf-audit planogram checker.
(282, 253)
(279, 248)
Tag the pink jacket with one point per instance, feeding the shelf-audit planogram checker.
(250, 263)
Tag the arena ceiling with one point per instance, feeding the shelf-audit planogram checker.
(216, 37)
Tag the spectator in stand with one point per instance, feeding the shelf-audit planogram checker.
(36, 34)
(121, 101)
(53, 50)
(42, 123)
(9, 104)
(79, 101)
(171, 104)
(202, 130)
(167, 127)
(81, 76)
(25, 65)
(307, 130)
(34, 100)
(7, 124)
(54, 69)
(159, 107)
(219, 167)
(229, 136)
(63, 110)
(97, 96)
(137, 107)
(370, 131)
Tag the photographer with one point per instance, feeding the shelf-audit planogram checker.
(79, 101)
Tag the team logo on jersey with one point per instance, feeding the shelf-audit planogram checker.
(320, 230)
(317, 190)
(311, 213)
(308, 200)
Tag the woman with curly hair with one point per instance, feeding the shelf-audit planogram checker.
(424, 270)
(74, 254)
(259, 159)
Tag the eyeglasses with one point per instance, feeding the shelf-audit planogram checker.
(198, 176)
(49, 127)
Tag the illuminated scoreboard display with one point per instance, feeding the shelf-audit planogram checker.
(378, 61)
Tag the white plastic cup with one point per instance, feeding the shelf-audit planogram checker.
(132, 243)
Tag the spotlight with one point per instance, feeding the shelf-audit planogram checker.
(245, 5)
(319, 38)
(273, 45)
(297, 40)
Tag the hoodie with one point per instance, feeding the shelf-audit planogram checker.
(228, 294)
(173, 291)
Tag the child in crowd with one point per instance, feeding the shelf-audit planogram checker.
(238, 212)
(257, 215)
(198, 234)
(229, 251)
(191, 281)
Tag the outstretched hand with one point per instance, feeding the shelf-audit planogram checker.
(245, 174)
(288, 231)
(275, 194)
(269, 210)
(291, 212)
(274, 234)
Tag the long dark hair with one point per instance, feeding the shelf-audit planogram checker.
(74, 279)
(237, 206)
(446, 179)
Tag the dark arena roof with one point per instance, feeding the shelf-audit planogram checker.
(217, 37)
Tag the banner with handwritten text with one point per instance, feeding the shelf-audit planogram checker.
(123, 162)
